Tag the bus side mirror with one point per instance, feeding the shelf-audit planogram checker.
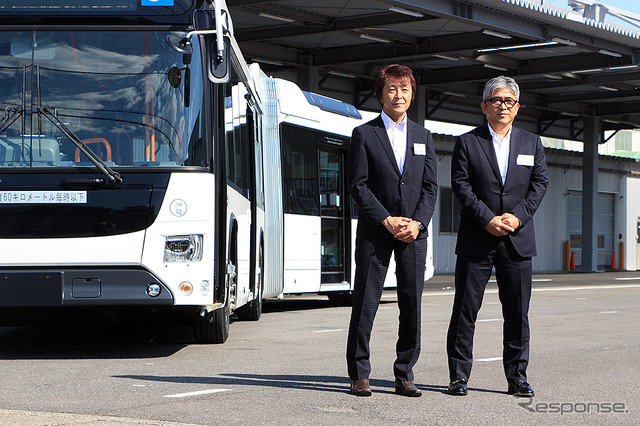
(218, 57)
(219, 68)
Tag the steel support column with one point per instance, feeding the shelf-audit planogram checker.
(308, 78)
(592, 138)
(418, 110)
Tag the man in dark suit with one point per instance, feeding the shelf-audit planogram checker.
(499, 176)
(392, 176)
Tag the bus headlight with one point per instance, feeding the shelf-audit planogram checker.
(183, 248)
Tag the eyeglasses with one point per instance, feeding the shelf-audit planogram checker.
(497, 102)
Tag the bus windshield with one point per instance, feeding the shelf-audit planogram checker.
(127, 95)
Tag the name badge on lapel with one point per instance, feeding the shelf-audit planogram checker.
(524, 160)
(419, 149)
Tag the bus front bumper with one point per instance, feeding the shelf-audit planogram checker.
(50, 287)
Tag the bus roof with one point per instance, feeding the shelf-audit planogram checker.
(316, 111)
(102, 12)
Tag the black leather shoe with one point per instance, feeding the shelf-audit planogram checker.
(457, 387)
(407, 388)
(360, 387)
(520, 388)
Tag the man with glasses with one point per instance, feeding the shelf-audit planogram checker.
(499, 176)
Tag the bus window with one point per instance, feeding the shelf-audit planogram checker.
(301, 192)
(238, 137)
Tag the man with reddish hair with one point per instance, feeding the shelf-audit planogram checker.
(392, 177)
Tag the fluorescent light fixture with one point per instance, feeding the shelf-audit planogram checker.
(276, 17)
(623, 67)
(447, 57)
(610, 53)
(620, 68)
(570, 114)
(342, 74)
(406, 12)
(266, 61)
(552, 76)
(519, 46)
(588, 71)
(497, 34)
(564, 41)
(611, 89)
(375, 38)
(456, 94)
(496, 67)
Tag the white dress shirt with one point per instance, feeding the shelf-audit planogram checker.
(398, 136)
(501, 146)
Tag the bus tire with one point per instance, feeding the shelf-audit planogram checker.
(213, 327)
(253, 310)
(341, 298)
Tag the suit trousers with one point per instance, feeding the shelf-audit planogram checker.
(513, 274)
(372, 261)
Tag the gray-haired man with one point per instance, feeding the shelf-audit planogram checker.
(499, 176)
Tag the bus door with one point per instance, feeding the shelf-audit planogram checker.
(334, 211)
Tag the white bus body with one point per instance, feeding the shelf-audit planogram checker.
(130, 166)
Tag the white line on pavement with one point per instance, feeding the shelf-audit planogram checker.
(203, 392)
(490, 320)
(330, 331)
(594, 287)
(498, 358)
(610, 312)
(627, 278)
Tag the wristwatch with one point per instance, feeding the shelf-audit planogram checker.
(421, 227)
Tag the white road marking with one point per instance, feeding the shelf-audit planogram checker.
(498, 358)
(139, 386)
(595, 287)
(196, 393)
(627, 278)
(535, 280)
(330, 331)
(610, 312)
(490, 320)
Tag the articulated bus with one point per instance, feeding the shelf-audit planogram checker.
(145, 166)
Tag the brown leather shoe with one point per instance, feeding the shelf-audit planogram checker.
(360, 387)
(407, 388)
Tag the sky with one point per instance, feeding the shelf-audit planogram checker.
(628, 5)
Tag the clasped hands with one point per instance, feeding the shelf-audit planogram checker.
(402, 228)
(502, 225)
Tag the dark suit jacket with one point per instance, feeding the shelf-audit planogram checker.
(375, 181)
(476, 183)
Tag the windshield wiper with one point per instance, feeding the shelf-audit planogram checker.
(112, 176)
(11, 114)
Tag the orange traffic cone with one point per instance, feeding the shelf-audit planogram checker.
(572, 263)
(614, 263)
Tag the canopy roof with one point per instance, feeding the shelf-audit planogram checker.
(568, 65)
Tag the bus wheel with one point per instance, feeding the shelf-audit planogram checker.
(213, 327)
(341, 298)
(253, 310)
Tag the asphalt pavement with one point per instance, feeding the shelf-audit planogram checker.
(289, 367)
